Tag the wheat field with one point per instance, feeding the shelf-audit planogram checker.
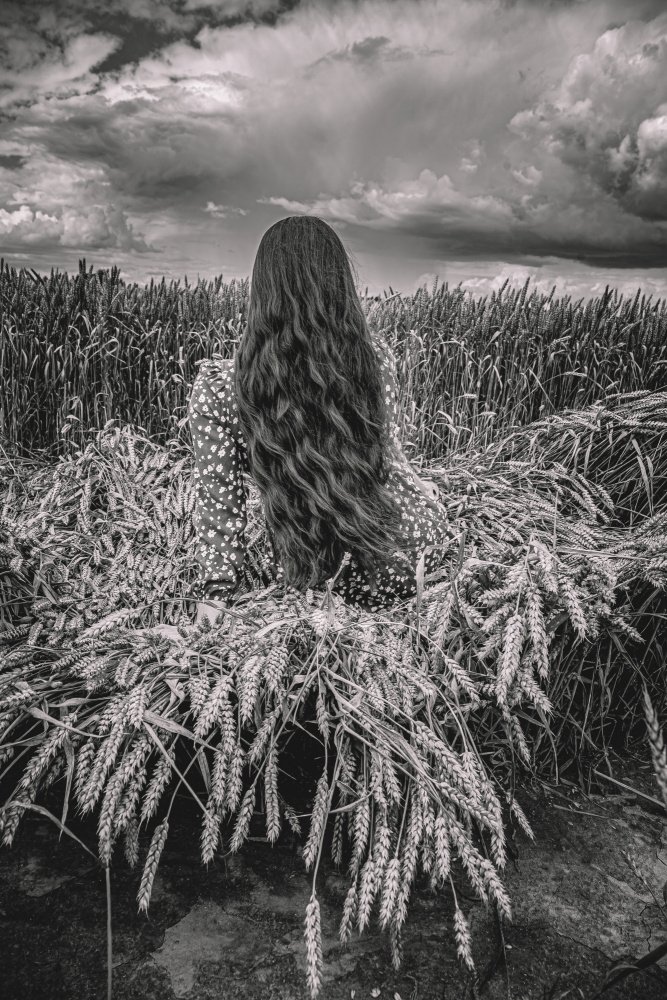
(77, 352)
(538, 648)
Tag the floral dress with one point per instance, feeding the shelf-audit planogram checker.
(220, 515)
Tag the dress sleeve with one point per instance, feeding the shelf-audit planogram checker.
(220, 514)
(388, 368)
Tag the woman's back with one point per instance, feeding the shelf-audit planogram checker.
(221, 454)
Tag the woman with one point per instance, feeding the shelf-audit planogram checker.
(308, 408)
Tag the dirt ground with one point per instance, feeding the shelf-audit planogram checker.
(235, 930)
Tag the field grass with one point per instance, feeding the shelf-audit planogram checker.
(77, 352)
(528, 653)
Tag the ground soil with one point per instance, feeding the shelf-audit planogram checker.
(235, 930)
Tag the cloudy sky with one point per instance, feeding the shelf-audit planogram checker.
(474, 140)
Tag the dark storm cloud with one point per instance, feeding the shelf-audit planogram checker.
(32, 30)
(12, 162)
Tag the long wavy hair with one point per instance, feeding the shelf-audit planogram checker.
(311, 406)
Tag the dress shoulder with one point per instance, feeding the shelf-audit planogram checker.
(214, 378)
(380, 342)
(215, 368)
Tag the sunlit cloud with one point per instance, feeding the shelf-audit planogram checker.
(221, 211)
(97, 228)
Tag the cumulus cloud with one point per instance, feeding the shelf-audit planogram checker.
(97, 228)
(425, 202)
(607, 118)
